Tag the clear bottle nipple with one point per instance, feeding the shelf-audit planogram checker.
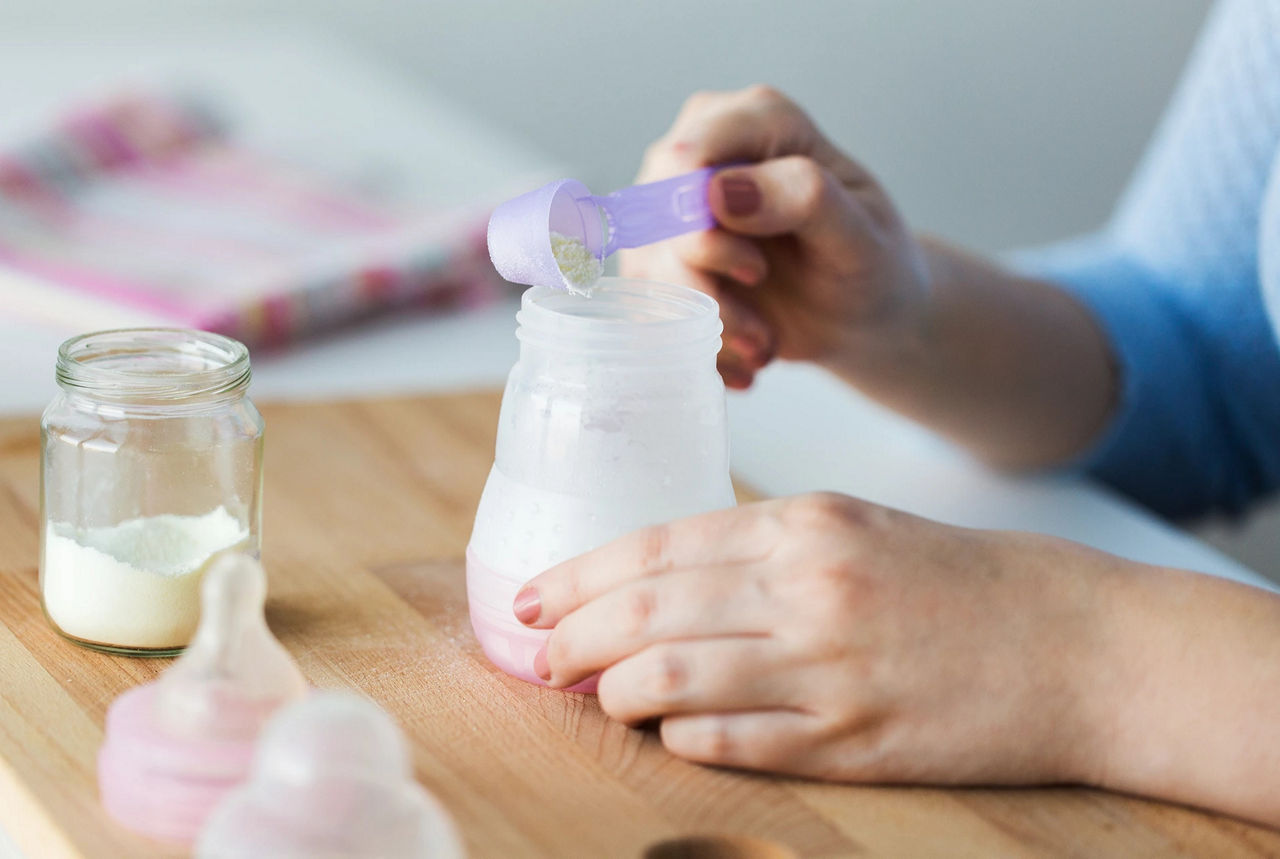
(234, 674)
(175, 747)
(331, 777)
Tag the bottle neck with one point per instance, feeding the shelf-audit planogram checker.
(154, 369)
(623, 323)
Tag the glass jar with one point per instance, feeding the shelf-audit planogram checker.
(613, 419)
(151, 463)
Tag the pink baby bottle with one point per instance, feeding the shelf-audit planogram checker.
(174, 748)
(613, 419)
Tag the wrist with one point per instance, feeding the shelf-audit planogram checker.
(1142, 679)
(1097, 658)
(1070, 649)
(1182, 691)
(877, 346)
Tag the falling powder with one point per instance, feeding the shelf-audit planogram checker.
(577, 264)
(135, 584)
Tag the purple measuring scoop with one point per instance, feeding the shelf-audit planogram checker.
(520, 229)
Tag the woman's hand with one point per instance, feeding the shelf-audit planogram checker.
(811, 259)
(826, 637)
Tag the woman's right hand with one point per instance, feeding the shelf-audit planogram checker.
(811, 260)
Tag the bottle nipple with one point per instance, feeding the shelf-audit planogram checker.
(332, 776)
(234, 674)
(174, 748)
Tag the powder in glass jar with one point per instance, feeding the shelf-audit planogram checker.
(136, 583)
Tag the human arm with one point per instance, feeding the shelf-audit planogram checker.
(831, 638)
(1170, 291)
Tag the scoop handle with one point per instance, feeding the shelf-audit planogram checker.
(644, 214)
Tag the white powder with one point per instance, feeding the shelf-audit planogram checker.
(578, 265)
(135, 584)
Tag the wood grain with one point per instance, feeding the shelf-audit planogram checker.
(368, 510)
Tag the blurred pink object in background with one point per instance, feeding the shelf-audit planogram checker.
(144, 210)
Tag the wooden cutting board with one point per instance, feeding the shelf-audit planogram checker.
(368, 510)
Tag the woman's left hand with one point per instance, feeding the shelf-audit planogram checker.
(827, 637)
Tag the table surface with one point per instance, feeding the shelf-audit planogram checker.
(364, 557)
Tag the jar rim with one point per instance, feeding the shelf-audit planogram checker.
(153, 365)
(621, 312)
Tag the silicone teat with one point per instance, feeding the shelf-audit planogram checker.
(560, 234)
(234, 674)
(174, 747)
(331, 778)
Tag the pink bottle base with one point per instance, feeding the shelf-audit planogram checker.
(508, 644)
(160, 786)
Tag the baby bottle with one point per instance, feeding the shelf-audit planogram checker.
(175, 747)
(332, 777)
(613, 419)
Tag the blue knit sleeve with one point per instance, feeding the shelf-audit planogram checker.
(1174, 281)
(1157, 445)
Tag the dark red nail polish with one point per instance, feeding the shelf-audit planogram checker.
(746, 275)
(741, 195)
(528, 606)
(541, 666)
(746, 346)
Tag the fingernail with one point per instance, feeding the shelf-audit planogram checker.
(741, 195)
(746, 274)
(747, 347)
(738, 380)
(540, 665)
(527, 606)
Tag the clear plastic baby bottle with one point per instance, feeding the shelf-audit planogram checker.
(613, 419)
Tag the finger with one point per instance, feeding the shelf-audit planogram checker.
(753, 124)
(690, 603)
(739, 360)
(735, 370)
(792, 195)
(748, 338)
(723, 253)
(747, 342)
(746, 330)
(776, 740)
(738, 313)
(738, 535)
(711, 675)
(680, 149)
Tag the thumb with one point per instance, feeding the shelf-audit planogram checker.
(790, 195)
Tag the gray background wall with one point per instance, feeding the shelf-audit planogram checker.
(994, 122)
